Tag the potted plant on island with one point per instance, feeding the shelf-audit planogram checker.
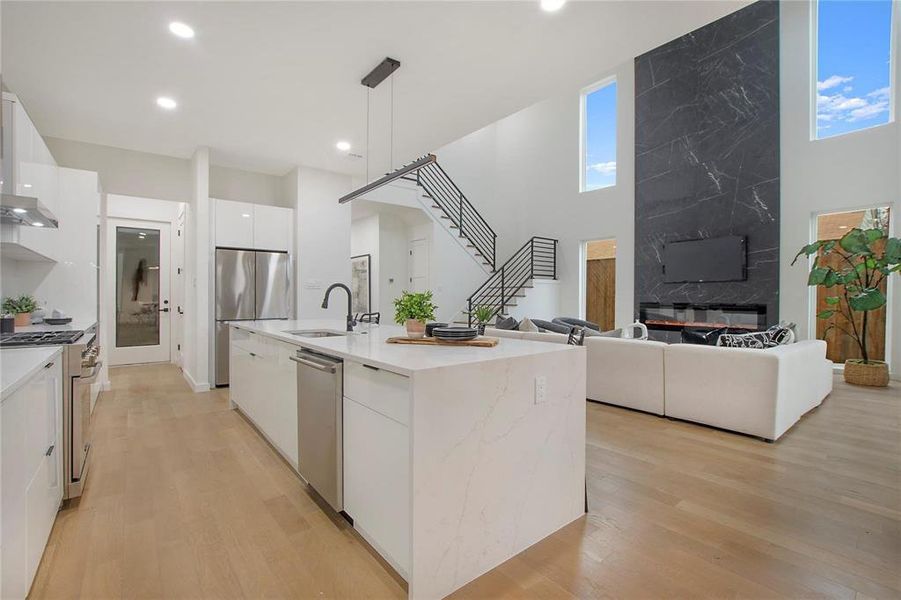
(856, 289)
(412, 310)
(21, 307)
(482, 314)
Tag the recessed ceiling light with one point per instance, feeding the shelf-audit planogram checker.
(842, 226)
(26, 185)
(166, 102)
(552, 5)
(38, 224)
(245, 215)
(20, 211)
(181, 30)
(343, 146)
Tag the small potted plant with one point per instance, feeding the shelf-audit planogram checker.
(856, 290)
(482, 314)
(21, 307)
(412, 310)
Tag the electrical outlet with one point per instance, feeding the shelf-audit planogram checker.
(540, 389)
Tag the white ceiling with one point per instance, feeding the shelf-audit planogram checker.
(268, 85)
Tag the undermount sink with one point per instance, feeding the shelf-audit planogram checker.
(316, 333)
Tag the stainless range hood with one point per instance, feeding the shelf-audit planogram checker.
(22, 210)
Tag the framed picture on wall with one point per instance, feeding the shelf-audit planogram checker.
(360, 283)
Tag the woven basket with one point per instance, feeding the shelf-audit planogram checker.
(874, 373)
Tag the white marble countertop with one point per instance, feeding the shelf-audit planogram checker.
(18, 365)
(367, 345)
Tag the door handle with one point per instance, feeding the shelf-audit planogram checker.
(50, 450)
(315, 365)
(164, 309)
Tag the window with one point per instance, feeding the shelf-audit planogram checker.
(853, 65)
(599, 136)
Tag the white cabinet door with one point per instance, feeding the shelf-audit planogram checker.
(280, 423)
(272, 227)
(15, 478)
(31, 464)
(377, 481)
(239, 373)
(234, 224)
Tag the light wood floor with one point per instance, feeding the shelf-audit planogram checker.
(185, 500)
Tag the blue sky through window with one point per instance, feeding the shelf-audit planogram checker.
(600, 138)
(853, 65)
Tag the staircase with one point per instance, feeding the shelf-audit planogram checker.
(442, 195)
(537, 258)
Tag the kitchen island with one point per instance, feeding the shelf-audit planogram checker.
(455, 459)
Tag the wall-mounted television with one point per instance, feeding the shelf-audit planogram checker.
(712, 259)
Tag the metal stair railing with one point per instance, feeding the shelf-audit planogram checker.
(537, 258)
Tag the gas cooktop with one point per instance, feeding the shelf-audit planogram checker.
(39, 338)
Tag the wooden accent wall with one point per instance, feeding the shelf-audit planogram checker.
(600, 290)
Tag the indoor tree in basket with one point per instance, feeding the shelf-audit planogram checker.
(412, 310)
(22, 307)
(855, 288)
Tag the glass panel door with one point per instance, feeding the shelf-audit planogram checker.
(137, 287)
(138, 257)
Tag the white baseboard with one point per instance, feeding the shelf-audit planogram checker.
(194, 385)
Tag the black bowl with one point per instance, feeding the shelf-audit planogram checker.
(430, 326)
(57, 320)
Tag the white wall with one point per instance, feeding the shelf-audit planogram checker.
(365, 239)
(198, 341)
(522, 174)
(851, 171)
(247, 186)
(323, 241)
(127, 172)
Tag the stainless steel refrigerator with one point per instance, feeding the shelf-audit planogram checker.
(249, 285)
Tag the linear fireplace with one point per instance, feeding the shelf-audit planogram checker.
(665, 322)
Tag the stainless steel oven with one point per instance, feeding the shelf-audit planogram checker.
(81, 368)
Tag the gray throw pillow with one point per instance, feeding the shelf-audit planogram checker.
(552, 327)
(509, 324)
(614, 333)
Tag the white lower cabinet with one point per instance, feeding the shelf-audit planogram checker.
(31, 474)
(377, 491)
(263, 384)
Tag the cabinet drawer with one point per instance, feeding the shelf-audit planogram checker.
(385, 392)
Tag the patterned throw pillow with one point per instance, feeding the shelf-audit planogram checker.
(774, 336)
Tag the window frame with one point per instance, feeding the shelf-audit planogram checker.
(583, 131)
(814, 71)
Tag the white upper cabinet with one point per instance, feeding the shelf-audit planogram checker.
(272, 227)
(234, 224)
(255, 226)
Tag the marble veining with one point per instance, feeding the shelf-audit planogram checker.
(707, 154)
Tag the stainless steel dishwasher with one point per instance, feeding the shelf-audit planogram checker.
(320, 391)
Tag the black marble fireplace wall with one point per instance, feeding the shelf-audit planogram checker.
(707, 155)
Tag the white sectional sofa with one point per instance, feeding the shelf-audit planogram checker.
(757, 392)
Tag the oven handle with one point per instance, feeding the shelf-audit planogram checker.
(93, 376)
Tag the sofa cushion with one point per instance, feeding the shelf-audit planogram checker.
(508, 323)
(577, 322)
(527, 325)
(552, 327)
